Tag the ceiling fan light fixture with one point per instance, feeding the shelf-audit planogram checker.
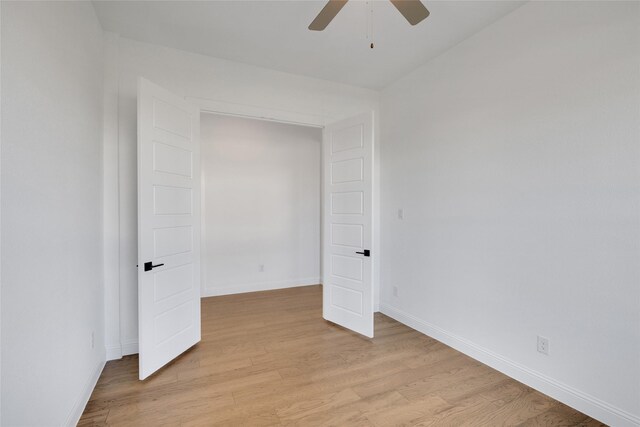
(412, 10)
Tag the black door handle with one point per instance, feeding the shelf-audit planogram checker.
(148, 266)
(366, 252)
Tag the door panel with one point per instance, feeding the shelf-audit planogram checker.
(168, 226)
(348, 210)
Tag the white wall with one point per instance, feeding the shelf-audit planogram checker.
(261, 204)
(516, 158)
(212, 81)
(52, 292)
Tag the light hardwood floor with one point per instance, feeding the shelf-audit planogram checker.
(268, 358)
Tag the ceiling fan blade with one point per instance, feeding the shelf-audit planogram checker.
(326, 15)
(413, 10)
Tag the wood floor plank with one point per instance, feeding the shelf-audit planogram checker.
(518, 410)
(557, 416)
(409, 412)
(269, 359)
(466, 412)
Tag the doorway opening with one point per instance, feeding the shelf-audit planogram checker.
(266, 199)
(261, 204)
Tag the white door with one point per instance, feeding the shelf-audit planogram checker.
(168, 226)
(347, 224)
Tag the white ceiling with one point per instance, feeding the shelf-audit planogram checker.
(274, 34)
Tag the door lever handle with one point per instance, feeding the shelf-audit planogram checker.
(365, 252)
(148, 266)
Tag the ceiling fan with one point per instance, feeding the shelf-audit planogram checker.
(413, 11)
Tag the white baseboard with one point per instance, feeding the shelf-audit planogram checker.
(217, 290)
(83, 399)
(583, 402)
(130, 347)
(113, 352)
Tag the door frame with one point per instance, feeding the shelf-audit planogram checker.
(303, 119)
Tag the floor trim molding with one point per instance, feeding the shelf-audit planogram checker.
(260, 286)
(113, 352)
(130, 347)
(83, 399)
(583, 402)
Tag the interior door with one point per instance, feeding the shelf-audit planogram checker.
(347, 223)
(168, 226)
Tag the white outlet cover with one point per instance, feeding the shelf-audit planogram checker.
(543, 345)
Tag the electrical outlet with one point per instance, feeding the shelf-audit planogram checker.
(92, 340)
(543, 345)
(400, 213)
(261, 268)
(395, 291)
